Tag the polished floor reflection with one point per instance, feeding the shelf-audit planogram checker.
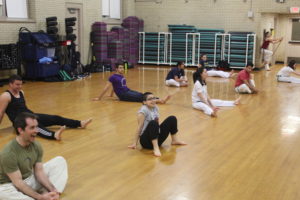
(251, 151)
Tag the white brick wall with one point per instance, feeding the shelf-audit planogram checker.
(231, 15)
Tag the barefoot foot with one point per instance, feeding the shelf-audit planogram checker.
(163, 101)
(232, 74)
(237, 101)
(214, 114)
(57, 134)
(178, 143)
(84, 123)
(157, 153)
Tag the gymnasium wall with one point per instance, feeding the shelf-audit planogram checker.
(230, 15)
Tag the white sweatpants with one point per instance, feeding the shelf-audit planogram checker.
(57, 171)
(244, 88)
(215, 102)
(267, 55)
(288, 79)
(218, 73)
(172, 82)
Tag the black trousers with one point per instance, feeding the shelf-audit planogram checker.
(160, 132)
(45, 120)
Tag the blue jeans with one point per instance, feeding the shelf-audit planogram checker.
(132, 96)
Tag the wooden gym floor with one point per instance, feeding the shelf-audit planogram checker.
(251, 151)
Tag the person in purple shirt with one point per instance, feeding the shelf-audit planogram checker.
(118, 82)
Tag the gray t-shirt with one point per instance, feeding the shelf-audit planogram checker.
(150, 114)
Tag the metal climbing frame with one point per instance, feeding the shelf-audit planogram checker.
(155, 48)
(237, 48)
(241, 47)
(253, 48)
(222, 47)
(166, 40)
(142, 47)
(194, 50)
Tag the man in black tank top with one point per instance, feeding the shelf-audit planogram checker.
(12, 102)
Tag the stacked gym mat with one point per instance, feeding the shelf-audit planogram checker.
(211, 44)
(133, 25)
(99, 41)
(186, 43)
(148, 47)
(179, 42)
(121, 43)
(155, 47)
(240, 48)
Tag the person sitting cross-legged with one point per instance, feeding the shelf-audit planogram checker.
(23, 176)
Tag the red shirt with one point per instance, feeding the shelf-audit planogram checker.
(265, 45)
(242, 75)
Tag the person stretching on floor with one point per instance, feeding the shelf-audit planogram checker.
(244, 82)
(176, 77)
(212, 72)
(149, 132)
(201, 99)
(118, 82)
(284, 74)
(12, 102)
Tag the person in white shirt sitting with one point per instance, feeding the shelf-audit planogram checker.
(284, 74)
(200, 98)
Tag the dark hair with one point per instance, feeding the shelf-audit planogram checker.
(20, 121)
(180, 63)
(197, 76)
(118, 64)
(202, 55)
(266, 34)
(145, 96)
(292, 63)
(250, 64)
(14, 77)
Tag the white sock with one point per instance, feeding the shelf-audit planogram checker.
(267, 67)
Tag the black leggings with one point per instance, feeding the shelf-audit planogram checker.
(45, 120)
(160, 132)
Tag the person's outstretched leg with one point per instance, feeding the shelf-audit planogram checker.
(172, 82)
(47, 134)
(132, 96)
(205, 108)
(85, 123)
(50, 120)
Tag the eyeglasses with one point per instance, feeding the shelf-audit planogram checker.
(151, 98)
